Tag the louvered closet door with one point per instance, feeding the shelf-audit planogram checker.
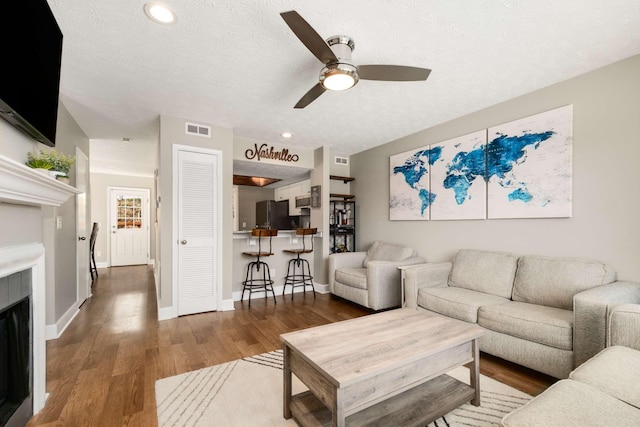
(198, 250)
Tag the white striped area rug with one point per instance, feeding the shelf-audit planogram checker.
(248, 393)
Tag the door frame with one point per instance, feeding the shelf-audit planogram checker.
(174, 215)
(83, 285)
(146, 213)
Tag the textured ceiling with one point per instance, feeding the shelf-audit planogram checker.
(237, 64)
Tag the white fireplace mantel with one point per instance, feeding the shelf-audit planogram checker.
(20, 184)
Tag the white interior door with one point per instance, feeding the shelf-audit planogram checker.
(82, 226)
(129, 230)
(198, 240)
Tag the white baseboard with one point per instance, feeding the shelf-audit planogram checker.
(103, 264)
(53, 332)
(151, 262)
(319, 287)
(227, 305)
(166, 313)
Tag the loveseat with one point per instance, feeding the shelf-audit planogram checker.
(546, 313)
(604, 391)
(371, 278)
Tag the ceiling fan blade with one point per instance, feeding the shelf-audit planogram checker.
(309, 37)
(395, 73)
(310, 96)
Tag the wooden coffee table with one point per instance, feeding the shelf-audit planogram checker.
(381, 369)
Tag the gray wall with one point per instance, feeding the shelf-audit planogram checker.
(100, 208)
(606, 148)
(68, 136)
(172, 132)
(20, 225)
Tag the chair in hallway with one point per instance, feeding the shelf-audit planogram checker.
(296, 274)
(92, 244)
(261, 282)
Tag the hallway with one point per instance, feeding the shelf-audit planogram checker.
(102, 370)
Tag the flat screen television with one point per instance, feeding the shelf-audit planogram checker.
(31, 53)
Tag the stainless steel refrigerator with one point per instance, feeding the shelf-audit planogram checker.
(272, 214)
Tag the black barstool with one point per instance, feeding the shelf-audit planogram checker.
(92, 245)
(264, 283)
(296, 275)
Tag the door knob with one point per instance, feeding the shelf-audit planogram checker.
(82, 238)
(184, 242)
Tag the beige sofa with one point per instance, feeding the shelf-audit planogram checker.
(371, 278)
(604, 391)
(546, 313)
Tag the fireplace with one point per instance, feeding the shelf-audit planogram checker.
(23, 193)
(16, 380)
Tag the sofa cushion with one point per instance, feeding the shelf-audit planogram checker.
(459, 303)
(615, 371)
(381, 251)
(544, 325)
(354, 277)
(482, 271)
(554, 281)
(572, 403)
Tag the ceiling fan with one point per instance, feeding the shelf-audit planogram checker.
(339, 73)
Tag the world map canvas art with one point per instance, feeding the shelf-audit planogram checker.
(457, 178)
(529, 168)
(520, 169)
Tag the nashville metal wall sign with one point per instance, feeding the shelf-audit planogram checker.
(264, 152)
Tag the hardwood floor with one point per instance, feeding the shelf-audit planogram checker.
(102, 370)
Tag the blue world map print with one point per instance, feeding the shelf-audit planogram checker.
(458, 178)
(523, 171)
(410, 195)
(529, 166)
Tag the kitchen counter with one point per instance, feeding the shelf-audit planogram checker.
(278, 262)
(244, 234)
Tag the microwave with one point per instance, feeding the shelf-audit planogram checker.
(303, 201)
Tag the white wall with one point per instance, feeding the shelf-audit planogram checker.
(606, 149)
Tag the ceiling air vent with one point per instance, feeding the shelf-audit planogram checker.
(197, 130)
(341, 161)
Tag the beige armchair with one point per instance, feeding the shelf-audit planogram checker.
(371, 278)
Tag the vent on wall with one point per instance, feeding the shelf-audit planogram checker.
(341, 160)
(197, 130)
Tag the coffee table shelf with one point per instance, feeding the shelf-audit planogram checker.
(417, 406)
(386, 368)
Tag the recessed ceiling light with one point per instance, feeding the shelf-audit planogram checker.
(160, 13)
(286, 134)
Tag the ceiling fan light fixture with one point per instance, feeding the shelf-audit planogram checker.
(339, 76)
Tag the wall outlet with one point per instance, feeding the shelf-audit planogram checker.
(98, 253)
(252, 242)
(58, 223)
(294, 240)
(244, 224)
(272, 272)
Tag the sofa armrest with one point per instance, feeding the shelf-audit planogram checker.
(343, 260)
(383, 282)
(591, 310)
(624, 326)
(435, 274)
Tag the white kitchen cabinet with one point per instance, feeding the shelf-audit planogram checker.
(306, 187)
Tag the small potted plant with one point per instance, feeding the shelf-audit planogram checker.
(41, 165)
(57, 163)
